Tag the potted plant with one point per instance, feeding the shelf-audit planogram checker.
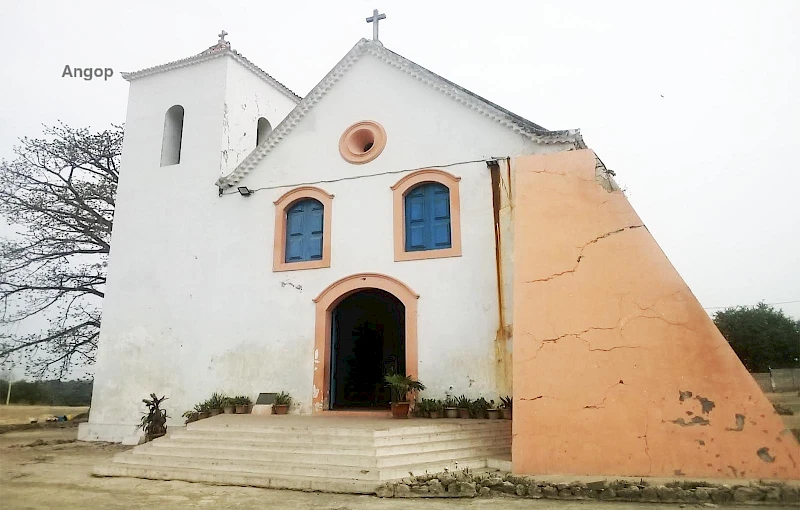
(493, 412)
(479, 407)
(403, 385)
(421, 408)
(202, 410)
(243, 404)
(507, 406)
(154, 422)
(228, 407)
(282, 403)
(190, 416)
(215, 403)
(463, 404)
(435, 409)
(450, 406)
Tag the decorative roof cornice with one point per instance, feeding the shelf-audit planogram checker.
(223, 48)
(473, 101)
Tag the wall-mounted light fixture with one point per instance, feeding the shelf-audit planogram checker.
(244, 191)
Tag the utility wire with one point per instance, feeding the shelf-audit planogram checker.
(778, 303)
(350, 178)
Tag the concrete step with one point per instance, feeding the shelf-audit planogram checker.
(304, 483)
(308, 453)
(167, 464)
(266, 468)
(318, 438)
(299, 445)
(363, 460)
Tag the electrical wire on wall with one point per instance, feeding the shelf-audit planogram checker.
(355, 177)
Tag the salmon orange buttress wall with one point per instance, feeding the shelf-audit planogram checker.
(618, 370)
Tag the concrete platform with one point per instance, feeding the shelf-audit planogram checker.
(331, 452)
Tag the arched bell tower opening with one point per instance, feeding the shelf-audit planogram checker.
(263, 130)
(173, 136)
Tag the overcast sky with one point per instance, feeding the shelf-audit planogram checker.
(694, 104)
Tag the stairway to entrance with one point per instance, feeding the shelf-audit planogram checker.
(332, 454)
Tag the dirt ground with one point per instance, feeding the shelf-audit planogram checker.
(50, 469)
(21, 413)
(792, 401)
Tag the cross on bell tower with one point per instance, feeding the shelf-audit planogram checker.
(222, 37)
(374, 19)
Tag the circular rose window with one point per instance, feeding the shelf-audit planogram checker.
(362, 142)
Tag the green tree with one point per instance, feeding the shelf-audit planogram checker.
(761, 336)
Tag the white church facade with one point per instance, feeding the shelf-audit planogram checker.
(265, 242)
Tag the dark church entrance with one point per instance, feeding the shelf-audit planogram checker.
(368, 342)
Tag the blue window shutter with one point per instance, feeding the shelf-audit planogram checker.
(427, 217)
(304, 231)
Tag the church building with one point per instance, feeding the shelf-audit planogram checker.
(393, 221)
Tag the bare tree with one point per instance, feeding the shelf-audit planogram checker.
(58, 194)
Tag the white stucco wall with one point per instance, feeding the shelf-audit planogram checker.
(193, 305)
(247, 97)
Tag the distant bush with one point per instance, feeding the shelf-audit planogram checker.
(48, 393)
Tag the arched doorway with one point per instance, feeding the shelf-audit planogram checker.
(367, 342)
(379, 298)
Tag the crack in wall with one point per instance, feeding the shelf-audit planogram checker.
(587, 342)
(562, 174)
(601, 404)
(647, 448)
(580, 253)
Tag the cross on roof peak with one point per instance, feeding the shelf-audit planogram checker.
(222, 37)
(374, 19)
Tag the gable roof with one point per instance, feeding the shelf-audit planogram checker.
(471, 100)
(221, 49)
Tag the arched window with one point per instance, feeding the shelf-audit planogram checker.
(427, 216)
(263, 131)
(173, 135)
(302, 230)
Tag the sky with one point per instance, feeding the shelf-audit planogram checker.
(694, 104)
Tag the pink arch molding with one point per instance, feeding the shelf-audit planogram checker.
(327, 301)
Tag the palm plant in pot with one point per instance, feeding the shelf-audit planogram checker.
(154, 422)
(463, 407)
(202, 410)
(282, 402)
(508, 406)
(216, 403)
(435, 408)
(228, 407)
(243, 404)
(403, 385)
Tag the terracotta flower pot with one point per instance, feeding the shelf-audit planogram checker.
(202, 415)
(507, 413)
(451, 412)
(400, 409)
(229, 409)
(463, 413)
(493, 414)
(213, 412)
(480, 415)
(435, 414)
(241, 409)
(280, 408)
